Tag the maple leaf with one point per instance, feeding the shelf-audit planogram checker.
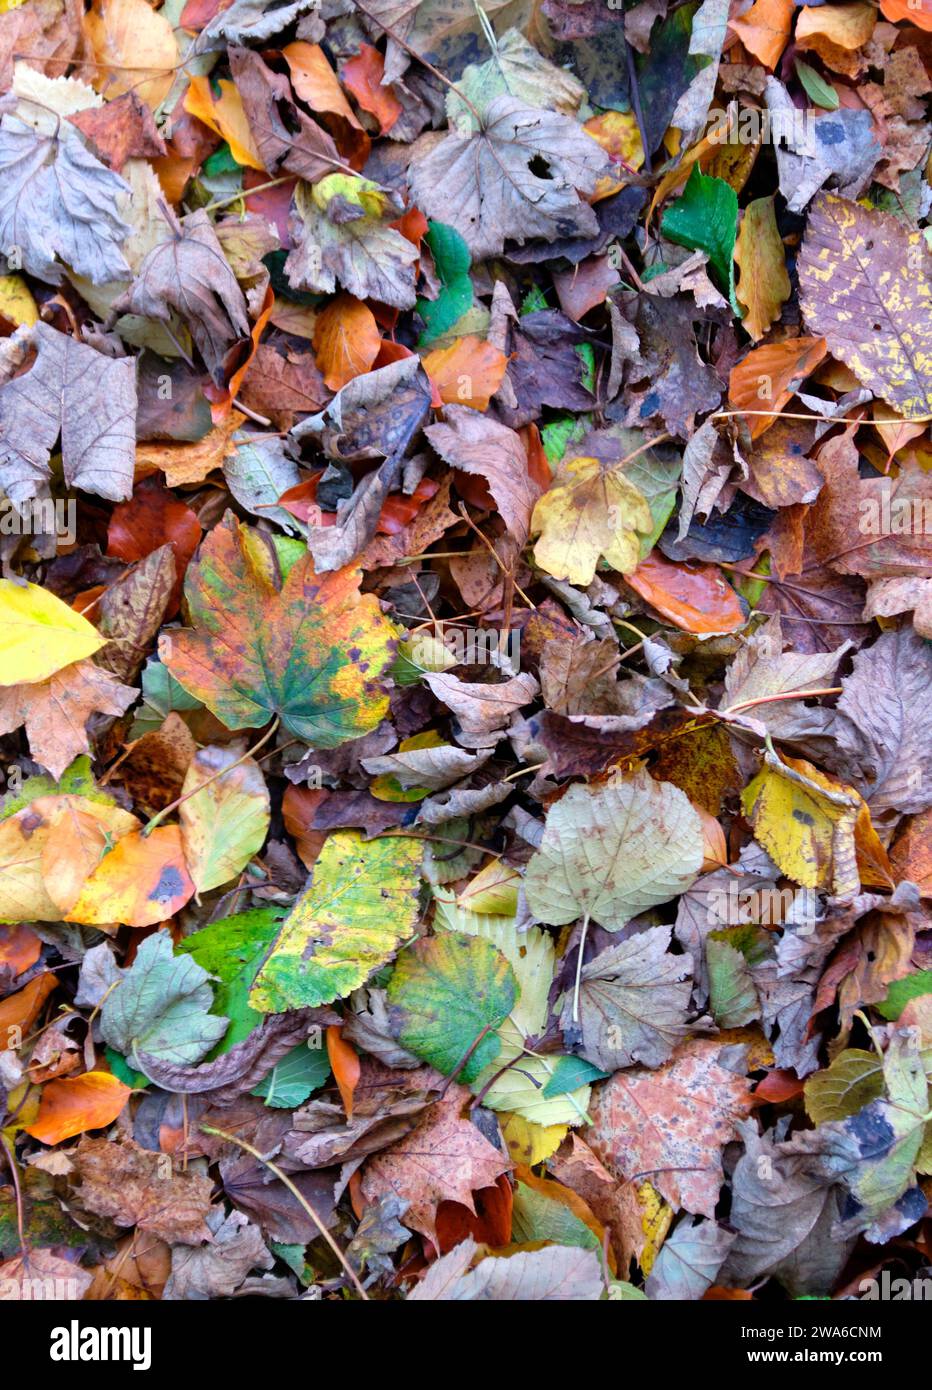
(672, 1124)
(55, 711)
(188, 274)
(486, 184)
(75, 392)
(256, 641)
(343, 233)
(59, 204)
(128, 1184)
(445, 1158)
(590, 512)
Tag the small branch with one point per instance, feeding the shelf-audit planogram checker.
(579, 965)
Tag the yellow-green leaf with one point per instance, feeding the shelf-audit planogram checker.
(360, 905)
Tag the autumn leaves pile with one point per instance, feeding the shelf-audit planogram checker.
(465, 628)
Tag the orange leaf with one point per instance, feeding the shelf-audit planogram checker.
(225, 116)
(398, 510)
(345, 1064)
(764, 29)
(78, 1103)
(134, 50)
(769, 375)
(362, 76)
(143, 880)
(222, 398)
(298, 807)
(346, 340)
(19, 948)
(895, 10)
(315, 82)
(19, 1010)
(693, 597)
(468, 372)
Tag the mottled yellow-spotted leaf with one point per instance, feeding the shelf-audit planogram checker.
(311, 649)
(806, 822)
(360, 905)
(865, 284)
(591, 510)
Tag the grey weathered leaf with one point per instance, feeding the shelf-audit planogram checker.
(689, 1260)
(558, 1273)
(59, 204)
(257, 473)
(250, 20)
(471, 441)
(189, 275)
(886, 700)
(87, 398)
(350, 242)
(517, 179)
(783, 1217)
(217, 1269)
(633, 1003)
(376, 415)
(482, 711)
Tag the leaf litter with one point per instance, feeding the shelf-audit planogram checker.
(465, 612)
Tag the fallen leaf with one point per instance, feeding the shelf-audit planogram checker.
(360, 905)
(78, 1103)
(342, 636)
(865, 286)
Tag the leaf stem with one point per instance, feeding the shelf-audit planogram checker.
(579, 965)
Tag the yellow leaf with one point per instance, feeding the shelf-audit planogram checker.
(129, 39)
(617, 132)
(493, 890)
(39, 634)
(656, 1219)
(836, 32)
(530, 1143)
(806, 822)
(16, 301)
(591, 510)
(764, 286)
(224, 115)
(47, 851)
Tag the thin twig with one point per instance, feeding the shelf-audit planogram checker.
(173, 805)
(298, 1196)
